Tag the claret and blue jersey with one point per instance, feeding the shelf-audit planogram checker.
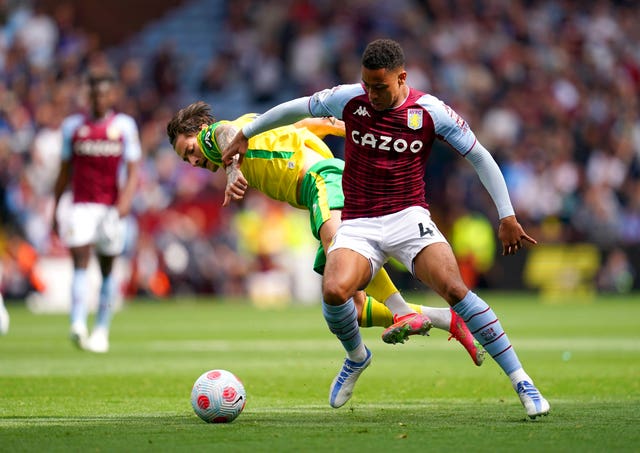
(386, 151)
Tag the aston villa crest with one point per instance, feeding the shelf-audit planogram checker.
(414, 118)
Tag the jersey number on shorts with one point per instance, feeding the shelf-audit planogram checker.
(424, 231)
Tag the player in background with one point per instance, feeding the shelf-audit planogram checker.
(97, 145)
(4, 314)
(390, 128)
(294, 165)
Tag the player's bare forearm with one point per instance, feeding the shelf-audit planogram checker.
(126, 195)
(323, 126)
(62, 181)
(512, 235)
(237, 147)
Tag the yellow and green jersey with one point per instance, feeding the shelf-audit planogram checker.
(275, 160)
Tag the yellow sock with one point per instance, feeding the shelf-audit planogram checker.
(381, 286)
(376, 314)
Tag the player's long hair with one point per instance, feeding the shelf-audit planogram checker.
(189, 120)
(383, 54)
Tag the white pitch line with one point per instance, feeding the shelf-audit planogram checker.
(539, 344)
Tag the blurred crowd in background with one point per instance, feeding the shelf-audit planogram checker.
(551, 88)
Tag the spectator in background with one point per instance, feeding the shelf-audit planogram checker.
(218, 73)
(164, 70)
(616, 274)
(39, 37)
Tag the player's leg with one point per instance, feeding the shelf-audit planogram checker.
(436, 266)
(374, 313)
(110, 243)
(339, 309)
(371, 312)
(79, 294)
(409, 319)
(382, 289)
(78, 226)
(99, 339)
(406, 320)
(322, 194)
(345, 272)
(4, 314)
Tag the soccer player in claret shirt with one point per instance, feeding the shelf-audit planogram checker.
(293, 164)
(390, 128)
(96, 145)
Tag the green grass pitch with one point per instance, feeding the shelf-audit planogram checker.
(425, 395)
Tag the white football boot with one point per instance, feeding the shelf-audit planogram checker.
(343, 384)
(78, 335)
(532, 400)
(98, 341)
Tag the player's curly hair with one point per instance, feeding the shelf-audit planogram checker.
(189, 120)
(383, 54)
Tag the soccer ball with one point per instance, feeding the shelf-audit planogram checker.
(218, 396)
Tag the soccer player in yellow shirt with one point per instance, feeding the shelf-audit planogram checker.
(293, 164)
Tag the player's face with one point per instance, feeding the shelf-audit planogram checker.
(189, 151)
(102, 97)
(386, 88)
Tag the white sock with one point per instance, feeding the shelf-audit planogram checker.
(519, 375)
(358, 354)
(440, 317)
(397, 305)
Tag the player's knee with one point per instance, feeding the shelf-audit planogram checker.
(335, 291)
(453, 291)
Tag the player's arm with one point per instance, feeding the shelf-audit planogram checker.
(451, 128)
(510, 232)
(323, 126)
(64, 173)
(127, 193)
(236, 182)
(237, 185)
(280, 115)
(132, 155)
(62, 181)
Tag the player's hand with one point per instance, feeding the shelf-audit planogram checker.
(122, 209)
(237, 147)
(512, 235)
(236, 184)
